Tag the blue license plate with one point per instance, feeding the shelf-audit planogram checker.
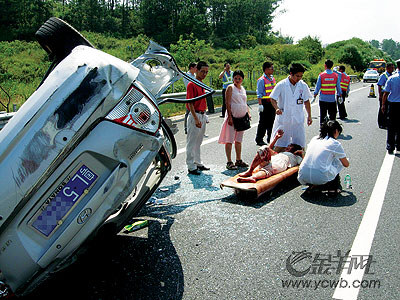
(63, 199)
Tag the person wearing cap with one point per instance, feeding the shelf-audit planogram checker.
(328, 85)
(382, 117)
(265, 85)
(196, 122)
(391, 94)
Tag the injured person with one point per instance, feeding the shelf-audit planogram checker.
(267, 162)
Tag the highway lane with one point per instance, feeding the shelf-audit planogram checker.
(205, 243)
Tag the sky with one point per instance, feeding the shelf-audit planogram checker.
(365, 19)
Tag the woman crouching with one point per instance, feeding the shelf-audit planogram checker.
(323, 161)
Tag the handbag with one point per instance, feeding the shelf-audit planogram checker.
(241, 124)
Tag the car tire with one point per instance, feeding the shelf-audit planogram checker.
(58, 38)
(170, 139)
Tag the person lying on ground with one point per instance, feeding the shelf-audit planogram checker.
(267, 162)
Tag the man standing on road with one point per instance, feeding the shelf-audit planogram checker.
(265, 85)
(345, 87)
(196, 122)
(191, 73)
(289, 97)
(391, 94)
(227, 79)
(382, 117)
(328, 82)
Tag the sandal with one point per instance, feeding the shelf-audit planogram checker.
(241, 164)
(230, 166)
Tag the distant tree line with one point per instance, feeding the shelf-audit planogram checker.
(389, 46)
(222, 23)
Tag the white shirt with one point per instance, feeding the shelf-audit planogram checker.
(284, 160)
(185, 81)
(291, 102)
(322, 162)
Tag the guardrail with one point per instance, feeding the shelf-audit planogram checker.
(182, 95)
(354, 78)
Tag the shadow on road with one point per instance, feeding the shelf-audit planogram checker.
(122, 266)
(346, 198)
(350, 121)
(345, 137)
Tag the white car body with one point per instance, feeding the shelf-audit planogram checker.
(371, 76)
(87, 149)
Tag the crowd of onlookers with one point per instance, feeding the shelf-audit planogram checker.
(282, 119)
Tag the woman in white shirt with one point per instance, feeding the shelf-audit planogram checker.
(323, 161)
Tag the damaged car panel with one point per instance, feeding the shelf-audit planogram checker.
(86, 150)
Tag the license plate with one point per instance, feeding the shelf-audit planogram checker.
(60, 202)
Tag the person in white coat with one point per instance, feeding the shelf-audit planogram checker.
(289, 98)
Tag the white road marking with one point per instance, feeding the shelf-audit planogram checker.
(366, 231)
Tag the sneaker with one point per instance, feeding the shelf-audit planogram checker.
(194, 172)
(230, 166)
(261, 143)
(241, 164)
(203, 168)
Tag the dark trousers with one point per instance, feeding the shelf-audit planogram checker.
(332, 185)
(382, 117)
(342, 107)
(223, 102)
(266, 122)
(327, 108)
(393, 131)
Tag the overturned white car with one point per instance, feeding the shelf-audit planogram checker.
(85, 151)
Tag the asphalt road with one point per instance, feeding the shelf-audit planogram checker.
(205, 243)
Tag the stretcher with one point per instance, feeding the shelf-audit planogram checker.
(254, 190)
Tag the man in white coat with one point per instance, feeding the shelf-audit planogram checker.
(289, 97)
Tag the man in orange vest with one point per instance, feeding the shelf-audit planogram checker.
(345, 86)
(328, 84)
(265, 85)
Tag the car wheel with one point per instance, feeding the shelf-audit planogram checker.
(58, 38)
(169, 139)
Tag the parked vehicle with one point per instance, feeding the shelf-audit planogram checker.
(82, 154)
(371, 76)
(378, 65)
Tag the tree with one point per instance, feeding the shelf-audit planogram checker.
(186, 51)
(313, 48)
(351, 56)
(375, 43)
(392, 48)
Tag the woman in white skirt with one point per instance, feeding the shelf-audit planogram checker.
(236, 106)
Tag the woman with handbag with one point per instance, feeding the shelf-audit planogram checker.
(237, 120)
